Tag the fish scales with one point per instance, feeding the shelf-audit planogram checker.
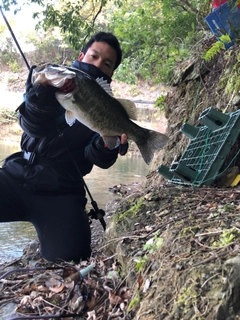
(92, 103)
(98, 105)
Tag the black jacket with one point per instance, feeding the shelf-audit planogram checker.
(59, 151)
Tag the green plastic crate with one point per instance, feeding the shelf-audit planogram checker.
(210, 145)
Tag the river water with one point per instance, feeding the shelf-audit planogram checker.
(15, 236)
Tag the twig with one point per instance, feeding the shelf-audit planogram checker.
(209, 279)
(109, 258)
(5, 281)
(53, 305)
(222, 247)
(208, 234)
(214, 257)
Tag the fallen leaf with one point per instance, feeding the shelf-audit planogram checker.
(57, 289)
(91, 315)
(147, 285)
(114, 299)
(139, 280)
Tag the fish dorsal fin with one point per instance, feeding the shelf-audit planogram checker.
(105, 85)
(129, 107)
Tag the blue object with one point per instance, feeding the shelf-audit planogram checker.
(225, 19)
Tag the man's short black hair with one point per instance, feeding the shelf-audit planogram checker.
(110, 39)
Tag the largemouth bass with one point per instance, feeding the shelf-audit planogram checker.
(92, 103)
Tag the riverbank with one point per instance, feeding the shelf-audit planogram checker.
(10, 131)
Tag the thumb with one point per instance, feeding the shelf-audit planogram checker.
(124, 138)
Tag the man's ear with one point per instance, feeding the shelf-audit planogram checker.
(81, 56)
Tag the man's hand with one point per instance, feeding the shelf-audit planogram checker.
(40, 96)
(123, 147)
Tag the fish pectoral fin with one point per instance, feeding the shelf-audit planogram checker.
(70, 118)
(105, 85)
(129, 107)
(111, 142)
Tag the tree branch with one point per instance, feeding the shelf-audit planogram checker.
(190, 7)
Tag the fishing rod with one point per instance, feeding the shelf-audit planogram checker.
(94, 213)
(14, 38)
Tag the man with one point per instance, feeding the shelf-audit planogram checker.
(43, 183)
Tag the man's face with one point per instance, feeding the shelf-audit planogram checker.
(102, 56)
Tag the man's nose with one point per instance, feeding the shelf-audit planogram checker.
(98, 64)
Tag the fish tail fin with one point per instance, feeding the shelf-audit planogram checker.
(154, 140)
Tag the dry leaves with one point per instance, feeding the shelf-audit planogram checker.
(61, 290)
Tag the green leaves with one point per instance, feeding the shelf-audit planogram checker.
(227, 237)
(155, 34)
(216, 47)
(7, 4)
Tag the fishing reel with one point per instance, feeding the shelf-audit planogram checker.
(97, 214)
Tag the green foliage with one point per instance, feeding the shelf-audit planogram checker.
(151, 248)
(155, 34)
(8, 54)
(217, 47)
(187, 297)
(14, 66)
(160, 102)
(122, 72)
(227, 236)
(230, 81)
(134, 209)
(7, 116)
(134, 301)
(75, 19)
(47, 45)
(7, 4)
(154, 245)
(229, 207)
(141, 263)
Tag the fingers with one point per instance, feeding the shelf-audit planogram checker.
(124, 138)
(123, 148)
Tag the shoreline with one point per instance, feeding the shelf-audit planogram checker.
(10, 134)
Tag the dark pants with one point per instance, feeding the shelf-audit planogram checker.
(60, 220)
